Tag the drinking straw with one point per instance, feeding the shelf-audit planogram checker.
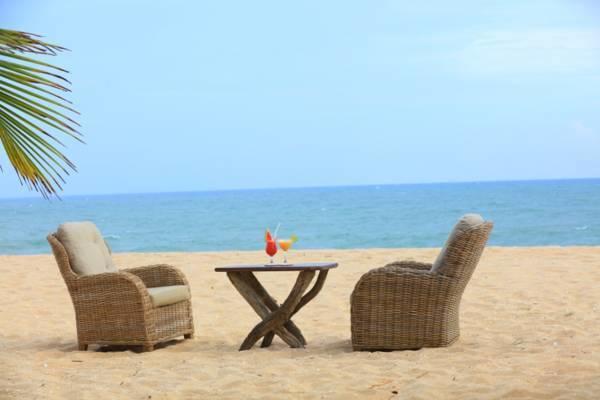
(276, 230)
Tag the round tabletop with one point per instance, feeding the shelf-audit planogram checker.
(315, 266)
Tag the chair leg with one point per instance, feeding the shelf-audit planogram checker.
(83, 347)
(148, 347)
(188, 336)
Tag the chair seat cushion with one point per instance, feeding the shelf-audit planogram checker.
(166, 295)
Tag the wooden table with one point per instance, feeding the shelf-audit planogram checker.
(276, 319)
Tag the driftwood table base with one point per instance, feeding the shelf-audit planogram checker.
(276, 319)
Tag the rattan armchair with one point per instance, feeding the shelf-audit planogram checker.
(115, 308)
(409, 304)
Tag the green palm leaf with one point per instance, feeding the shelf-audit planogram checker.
(32, 112)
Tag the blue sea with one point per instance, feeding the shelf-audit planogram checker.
(526, 213)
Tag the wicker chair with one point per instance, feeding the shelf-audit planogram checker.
(135, 306)
(410, 305)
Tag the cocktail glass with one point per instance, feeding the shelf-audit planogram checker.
(285, 245)
(271, 249)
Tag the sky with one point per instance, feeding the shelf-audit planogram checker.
(199, 95)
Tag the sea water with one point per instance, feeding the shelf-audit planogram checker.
(525, 213)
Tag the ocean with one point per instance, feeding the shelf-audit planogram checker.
(525, 213)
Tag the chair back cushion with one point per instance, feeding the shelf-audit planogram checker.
(88, 253)
(464, 246)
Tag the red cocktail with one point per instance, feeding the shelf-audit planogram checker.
(271, 247)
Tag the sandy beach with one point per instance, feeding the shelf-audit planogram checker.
(529, 321)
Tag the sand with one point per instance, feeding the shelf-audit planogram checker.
(530, 323)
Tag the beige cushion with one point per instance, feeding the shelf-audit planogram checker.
(467, 222)
(165, 295)
(88, 254)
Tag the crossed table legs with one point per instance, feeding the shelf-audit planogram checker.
(276, 319)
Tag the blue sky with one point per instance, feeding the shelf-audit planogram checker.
(186, 95)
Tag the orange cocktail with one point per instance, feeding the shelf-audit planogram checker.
(286, 244)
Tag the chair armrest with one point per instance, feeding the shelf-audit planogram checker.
(410, 265)
(159, 275)
(112, 288)
(396, 281)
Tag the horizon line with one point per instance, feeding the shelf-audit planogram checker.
(58, 197)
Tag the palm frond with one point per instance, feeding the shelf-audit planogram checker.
(32, 114)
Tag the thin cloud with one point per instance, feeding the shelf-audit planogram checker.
(585, 133)
(532, 51)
